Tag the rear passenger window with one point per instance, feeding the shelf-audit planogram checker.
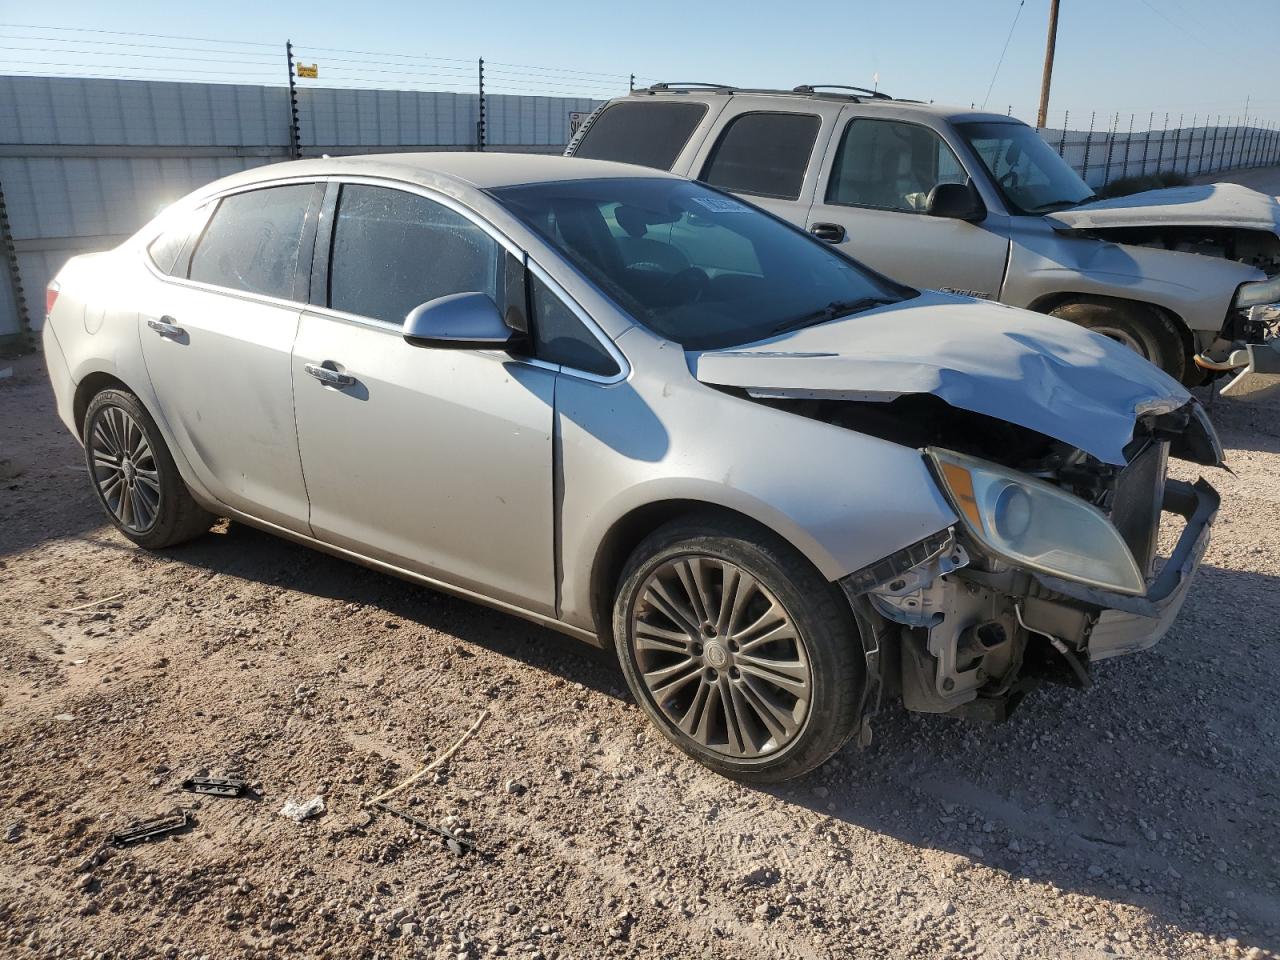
(764, 154)
(560, 337)
(645, 133)
(394, 250)
(891, 165)
(251, 243)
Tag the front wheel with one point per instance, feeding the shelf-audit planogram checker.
(134, 475)
(739, 651)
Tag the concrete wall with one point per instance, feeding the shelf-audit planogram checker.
(85, 162)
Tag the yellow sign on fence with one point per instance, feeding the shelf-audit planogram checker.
(312, 72)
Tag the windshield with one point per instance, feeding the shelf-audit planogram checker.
(1030, 174)
(694, 265)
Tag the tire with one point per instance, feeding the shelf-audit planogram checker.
(156, 509)
(669, 665)
(1145, 330)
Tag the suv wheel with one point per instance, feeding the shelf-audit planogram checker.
(740, 652)
(1142, 329)
(134, 475)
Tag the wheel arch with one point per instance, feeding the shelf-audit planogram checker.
(89, 387)
(1047, 303)
(627, 532)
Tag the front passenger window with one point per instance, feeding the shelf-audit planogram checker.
(394, 250)
(890, 165)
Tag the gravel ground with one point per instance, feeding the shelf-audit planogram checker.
(1137, 819)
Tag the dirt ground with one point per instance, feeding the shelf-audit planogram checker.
(1137, 819)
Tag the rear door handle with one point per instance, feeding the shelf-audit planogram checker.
(830, 232)
(167, 328)
(327, 375)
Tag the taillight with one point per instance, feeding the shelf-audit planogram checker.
(51, 296)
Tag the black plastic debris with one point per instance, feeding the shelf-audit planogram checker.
(149, 829)
(457, 844)
(215, 787)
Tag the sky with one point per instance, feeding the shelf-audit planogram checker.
(1189, 57)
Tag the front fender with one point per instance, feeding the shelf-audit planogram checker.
(1198, 289)
(842, 498)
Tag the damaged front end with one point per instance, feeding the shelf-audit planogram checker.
(1051, 568)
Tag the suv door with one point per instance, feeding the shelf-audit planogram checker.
(217, 332)
(871, 199)
(437, 461)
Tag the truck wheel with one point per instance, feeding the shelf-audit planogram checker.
(738, 649)
(1146, 331)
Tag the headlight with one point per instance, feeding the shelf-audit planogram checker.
(1258, 292)
(1034, 524)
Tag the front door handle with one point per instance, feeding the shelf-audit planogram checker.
(327, 375)
(167, 328)
(830, 232)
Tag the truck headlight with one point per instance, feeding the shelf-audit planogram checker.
(1034, 524)
(1258, 293)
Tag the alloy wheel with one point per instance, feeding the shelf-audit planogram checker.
(124, 469)
(721, 657)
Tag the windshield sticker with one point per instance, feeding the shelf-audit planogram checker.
(721, 205)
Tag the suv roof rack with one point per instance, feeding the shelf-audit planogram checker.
(855, 94)
(817, 88)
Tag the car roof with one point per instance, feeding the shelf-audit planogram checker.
(871, 105)
(484, 171)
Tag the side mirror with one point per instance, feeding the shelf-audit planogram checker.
(955, 201)
(459, 321)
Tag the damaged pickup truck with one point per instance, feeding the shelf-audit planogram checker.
(977, 203)
(783, 488)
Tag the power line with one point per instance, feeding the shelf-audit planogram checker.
(1016, 14)
(149, 56)
(123, 33)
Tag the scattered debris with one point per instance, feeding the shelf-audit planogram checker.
(214, 787)
(91, 603)
(14, 832)
(305, 810)
(147, 829)
(64, 717)
(437, 762)
(453, 841)
(516, 788)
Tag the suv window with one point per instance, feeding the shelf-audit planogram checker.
(251, 243)
(394, 250)
(890, 165)
(765, 154)
(560, 337)
(648, 134)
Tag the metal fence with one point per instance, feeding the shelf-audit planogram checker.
(1111, 148)
(84, 162)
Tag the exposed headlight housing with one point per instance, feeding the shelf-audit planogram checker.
(1258, 293)
(1036, 525)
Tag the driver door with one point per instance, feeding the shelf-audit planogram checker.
(870, 202)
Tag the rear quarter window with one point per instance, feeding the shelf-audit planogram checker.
(650, 134)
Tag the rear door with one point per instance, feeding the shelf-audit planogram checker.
(436, 461)
(870, 201)
(217, 332)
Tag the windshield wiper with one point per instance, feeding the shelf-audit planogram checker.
(834, 309)
(1062, 204)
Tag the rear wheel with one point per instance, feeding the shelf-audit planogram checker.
(740, 652)
(134, 475)
(1144, 330)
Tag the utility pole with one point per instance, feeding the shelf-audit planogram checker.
(1048, 64)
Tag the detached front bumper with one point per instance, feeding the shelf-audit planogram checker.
(1127, 624)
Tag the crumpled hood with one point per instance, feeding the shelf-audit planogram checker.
(1027, 368)
(1210, 205)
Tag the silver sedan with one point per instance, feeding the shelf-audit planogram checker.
(784, 488)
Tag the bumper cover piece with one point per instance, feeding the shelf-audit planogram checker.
(1259, 380)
